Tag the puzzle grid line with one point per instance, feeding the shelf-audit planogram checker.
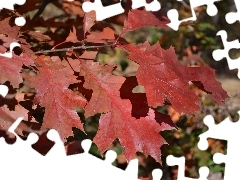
(57, 153)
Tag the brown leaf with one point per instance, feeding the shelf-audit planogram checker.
(39, 36)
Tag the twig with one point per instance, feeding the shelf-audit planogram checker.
(78, 47)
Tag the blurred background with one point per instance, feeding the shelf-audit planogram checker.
(193, 43)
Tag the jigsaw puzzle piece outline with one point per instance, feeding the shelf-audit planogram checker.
(219, 54)
(232, 17)
(180, 162)
(173, 14)
(215, 131)
(9, 4)
(97, 6)
(116, 9)
(102, 167)
(12, 46)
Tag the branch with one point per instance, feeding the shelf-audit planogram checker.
(78, 47)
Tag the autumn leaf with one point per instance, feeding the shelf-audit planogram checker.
(88, 21)
(118, 121)
(72, 37)
(52, 82)
(101, 37)
(7, 118)
(142, 18)
(164, 78)
(5, 28)
(104, 84)
(135, 135)
(39, 36)
(10, 68)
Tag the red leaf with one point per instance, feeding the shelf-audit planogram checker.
(7, 118)
(52, 82)
(165, 78)
(10, 68)
(88, 21)
(118, 121)
(104, 84)
(72, 37)
(5, 28)
(140, 135)
(101, 37)
(142, 18)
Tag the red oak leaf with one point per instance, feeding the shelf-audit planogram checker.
(52, 82)
(72, 37)
(142, 18)
(7, 118)
(9, 34)
(135, 135)
(118, 121)
(164, 78)
(10, 68)
(101, 37)
(88, 21)
(104, 84)
(5, 28)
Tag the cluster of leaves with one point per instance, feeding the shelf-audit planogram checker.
(60, 83)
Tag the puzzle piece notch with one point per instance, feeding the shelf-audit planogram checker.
(180, 162)
(216, 131)
(9, 4)
(232, 17)
(3, 90)
(153, 6)
(12, 46)
(173, 14)
(116, 9)
(20, 21)
(224, 53)
(157, 174)
(101, 11)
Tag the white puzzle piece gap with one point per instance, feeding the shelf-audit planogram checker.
(157, 174)
(232, 17)
(20, 21)
(174, 16)
(12, 46)
(56, 164)
(180, 162)
(9, 4)
(116, 9)
(229, 131)
(3, 90)
(224, 53)
(101, 11)
(153, 6)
